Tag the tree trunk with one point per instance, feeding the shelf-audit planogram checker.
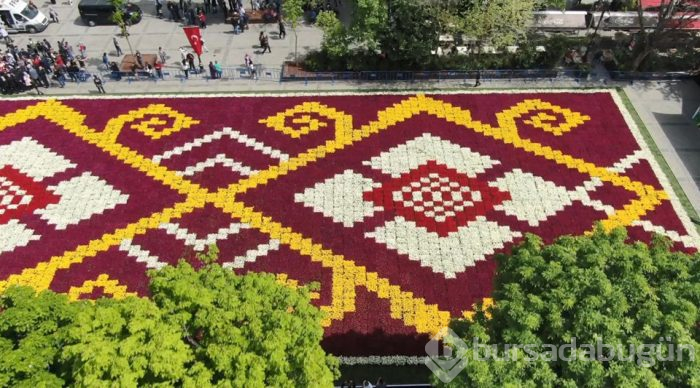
(125, 34)
(639, 59)
(296, 39)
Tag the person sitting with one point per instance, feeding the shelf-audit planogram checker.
(269, 15)
(116, 73)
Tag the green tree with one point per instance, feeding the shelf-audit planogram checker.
(498, 23)
(32, 334)
(248, 330)
(670, 17)
(123, 20)
(293, 13)
(591, 288)
(126, 343)
(201, 328)
(411, 33)
(335, 39)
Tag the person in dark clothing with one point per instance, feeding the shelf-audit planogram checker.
(98, 83)
(283, 30)
(212, 70)
(116, 46)
(190, 60)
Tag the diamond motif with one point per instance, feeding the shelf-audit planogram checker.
(437, 198)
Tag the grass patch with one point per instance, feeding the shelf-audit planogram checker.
(677, 189)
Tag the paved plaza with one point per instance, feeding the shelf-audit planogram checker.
(146, 36)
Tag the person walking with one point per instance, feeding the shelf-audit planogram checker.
(116, 46)
(82, 48)
(53, 15)
(266, 44)
(98, 83)
(5, 35)
(31, 84)
(283, 30)
(162, 55)
(202, 20)
(105, 60)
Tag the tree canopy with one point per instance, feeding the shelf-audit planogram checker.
(595, 289)
(201, 328)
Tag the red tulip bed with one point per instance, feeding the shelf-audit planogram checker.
(396, 204)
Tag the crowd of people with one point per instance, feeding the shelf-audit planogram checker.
(40, 65)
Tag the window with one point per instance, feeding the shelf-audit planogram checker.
(29, 13)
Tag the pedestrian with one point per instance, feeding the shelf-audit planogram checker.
(478, 78)
(247, 60)
(105, 60)
(82, 48)
(159, 8)
(204, 45)
(162, 55)
(266, 45)
(253, 71)
(207, 6)
(283, 30)
(202, 20)
(212, 70)
(219, 70)
(98, 83)
(5, 35)
(367, 384)
(185, 68)
(116, 46)
(159, 69)
(139, 60)
(190, 60)
(381, 383)
(29, 84)
(60, 75)
(53, 15)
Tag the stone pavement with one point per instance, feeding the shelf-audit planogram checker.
(224, 46)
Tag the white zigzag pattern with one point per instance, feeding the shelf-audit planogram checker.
(216, 135)
(672, 234)
(218, 159)
(253, 254)
(191, 239)
(141, 255)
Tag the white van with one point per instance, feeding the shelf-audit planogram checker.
(18, 16)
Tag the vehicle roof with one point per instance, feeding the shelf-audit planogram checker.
(93, 2)
(8, 3)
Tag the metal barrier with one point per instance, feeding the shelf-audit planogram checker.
(277, 75)
(644, 76)
(227, 73)
(437, 75)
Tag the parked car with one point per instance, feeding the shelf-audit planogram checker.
(94, 12)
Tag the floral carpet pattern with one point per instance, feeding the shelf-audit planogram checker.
(394, 203)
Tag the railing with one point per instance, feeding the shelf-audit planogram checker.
(656, 75)
(277, 75)
(227, 73)
(383, 76)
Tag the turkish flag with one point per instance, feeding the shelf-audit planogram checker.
(195, 38)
